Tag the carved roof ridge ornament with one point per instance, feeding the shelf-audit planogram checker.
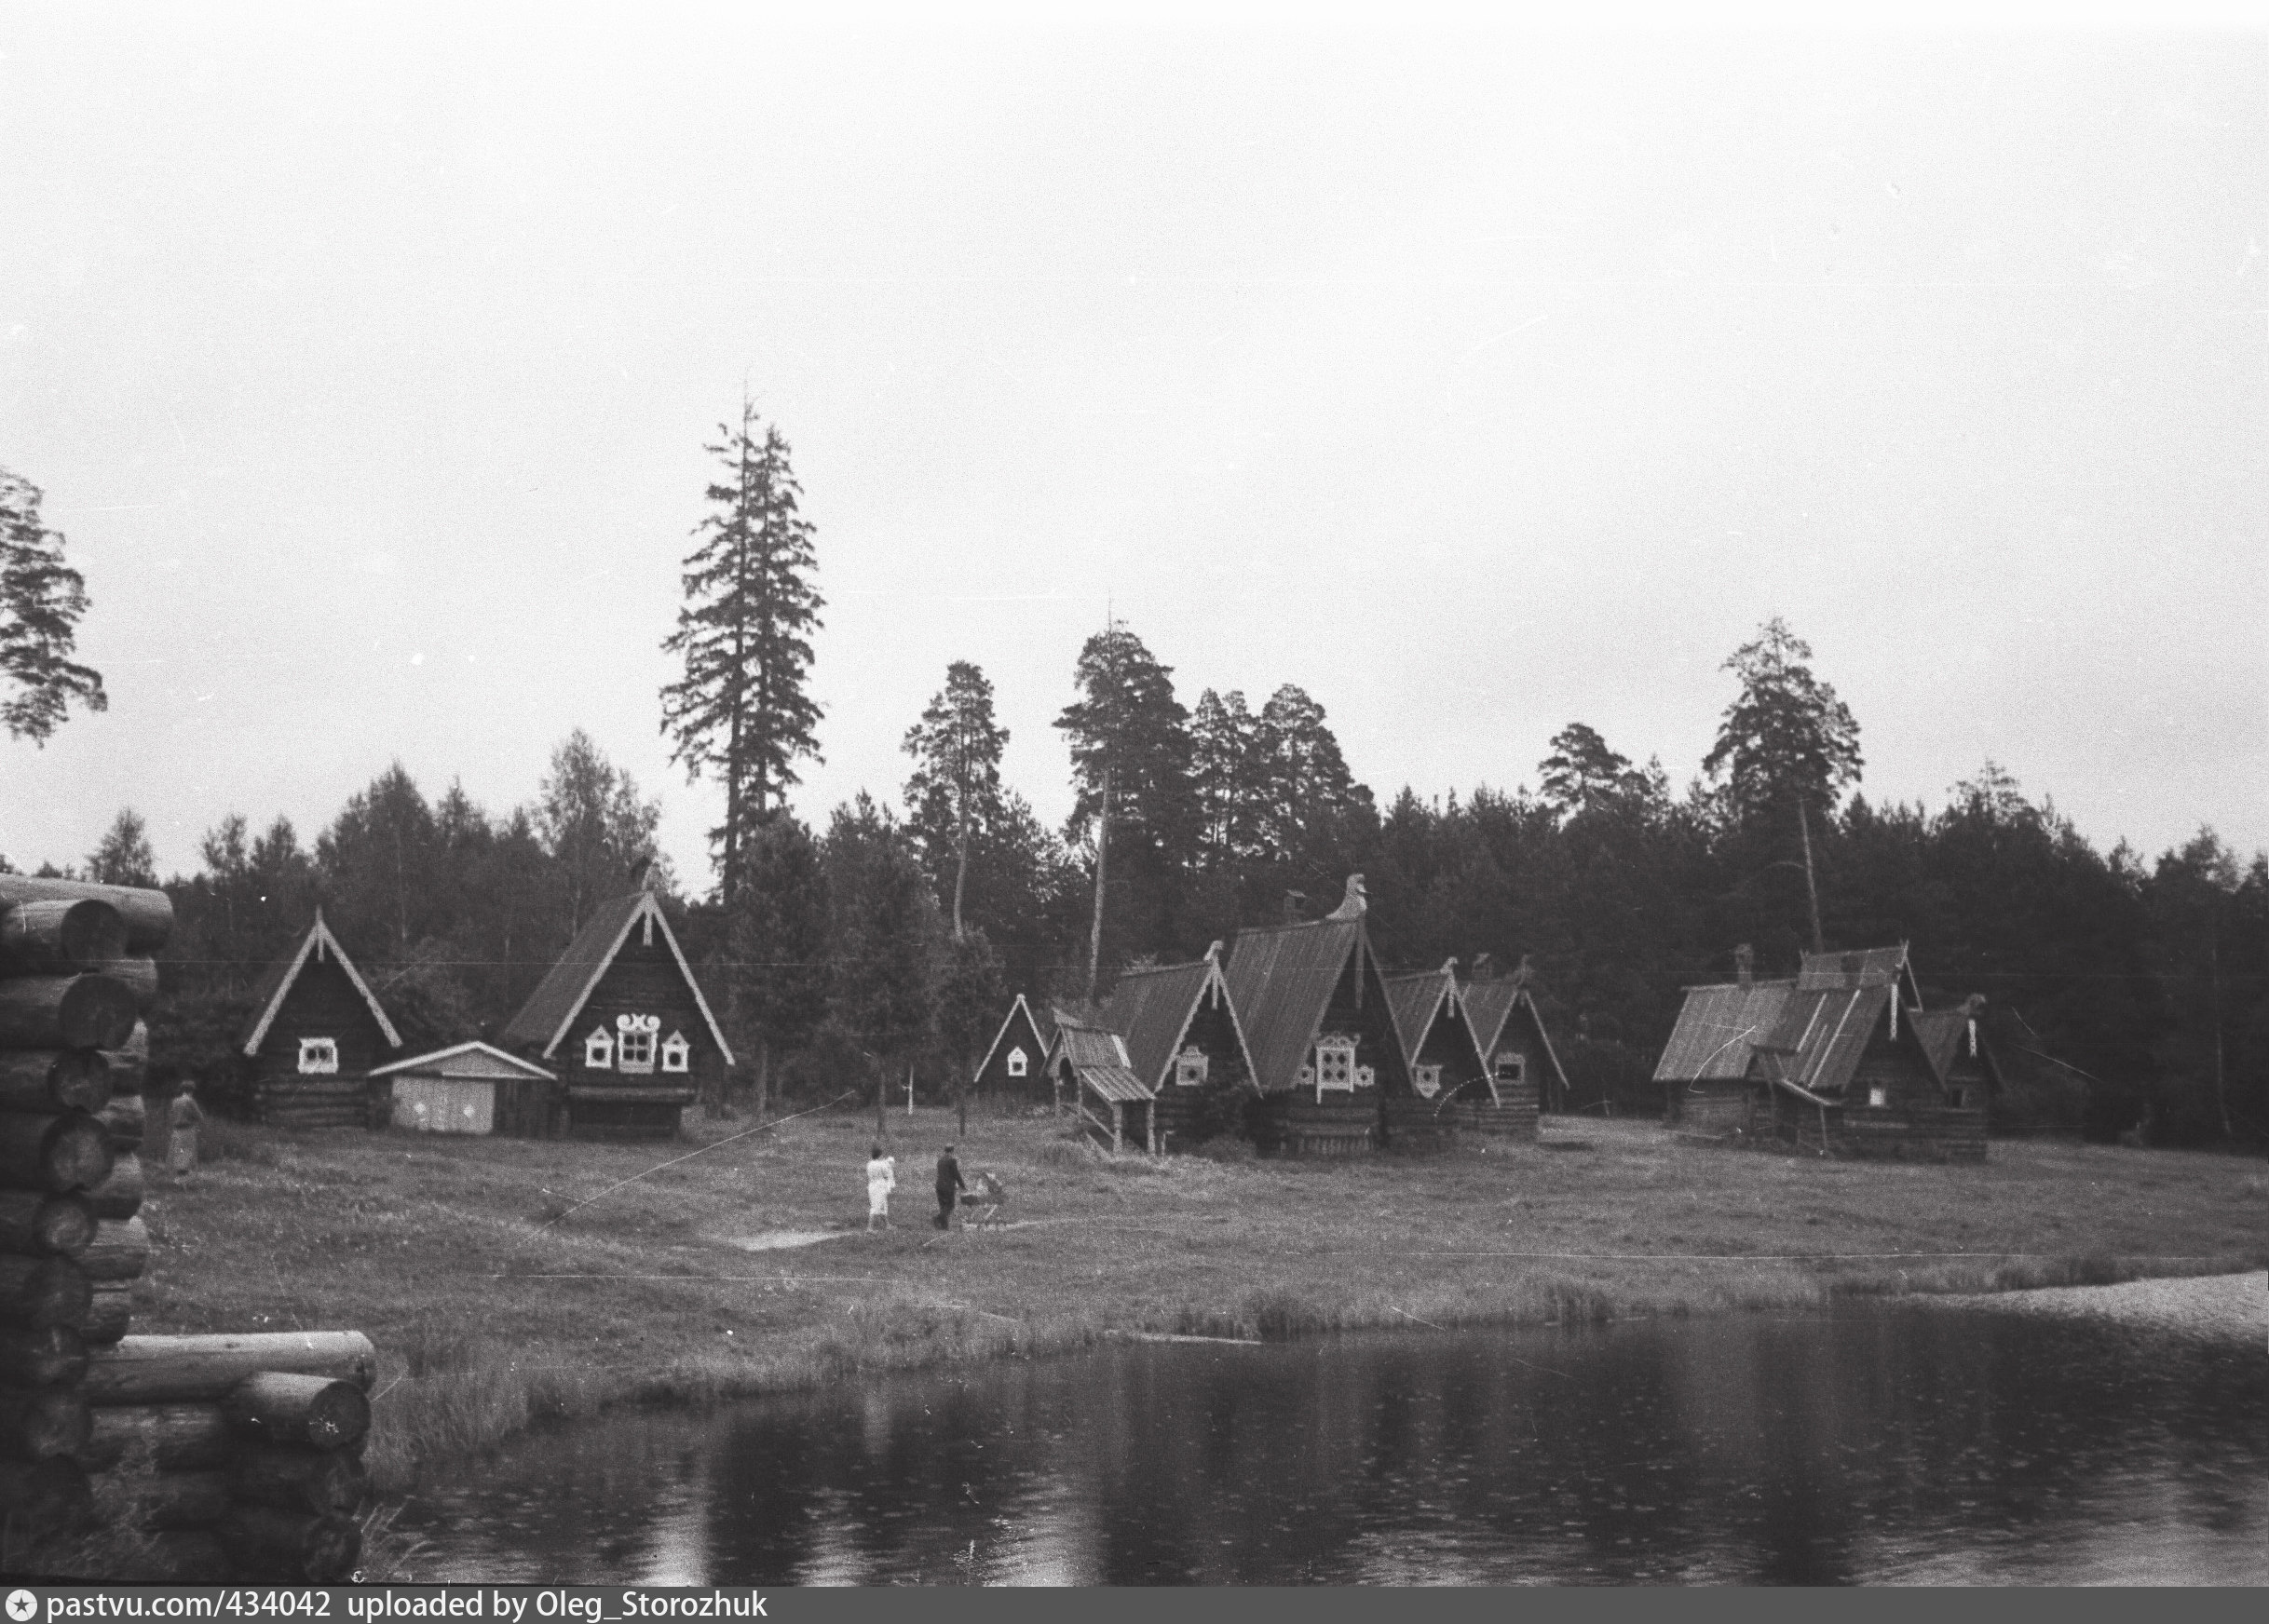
(1352, 905)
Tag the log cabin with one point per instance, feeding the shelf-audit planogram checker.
(467, 1088)
(1183, 1040)
(625, 1025)
(1848, 1069)
(315, 1033)
(1015, 1066)
(1449, 1075)
(1524, 1066)
(1321, 1031)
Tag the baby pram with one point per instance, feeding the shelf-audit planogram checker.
(982, 1200)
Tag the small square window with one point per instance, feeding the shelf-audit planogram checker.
(1957, 1098)
(1879, 1097)
(599, 1050)
(635, 1051)
(1512, 1068)
(318, 1054)
(676, 1053)
(1427, 1080)
(1018, 1063)
(1189, 1067)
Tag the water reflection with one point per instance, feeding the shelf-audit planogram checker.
(1900, 1445)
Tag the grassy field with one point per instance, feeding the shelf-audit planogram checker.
(506, 1281)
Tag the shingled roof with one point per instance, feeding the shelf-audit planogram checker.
(276, 982)
(1281, 979)
(1151, 1009)
(1490, 1005)
(1941, 1032)
(1418, 998)
(560, 996)
(1719, 1029)
(1099, 1058)
(1827, 1016)
(476, 1061)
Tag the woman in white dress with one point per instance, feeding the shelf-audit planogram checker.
(881, 1179)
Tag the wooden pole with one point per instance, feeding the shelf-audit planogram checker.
(1812, 888)
(1102, 846)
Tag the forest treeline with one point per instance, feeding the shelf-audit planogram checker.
(2127, 993)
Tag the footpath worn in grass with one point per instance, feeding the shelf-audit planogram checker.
(501, 1293)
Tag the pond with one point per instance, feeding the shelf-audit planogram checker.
(1882, 1444)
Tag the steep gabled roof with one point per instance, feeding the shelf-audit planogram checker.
(1490, 1005)
(1826, 1022)
(1151, 1009)
(277, 981)
(475, 1060)
(1418, 998)
(1718, 1028)
(1008, 1024)
(1281, 979)
(560, 996)
(1941, 1034)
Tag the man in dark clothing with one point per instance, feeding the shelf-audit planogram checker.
(949, 1188)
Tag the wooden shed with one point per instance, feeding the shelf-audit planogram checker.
(468, 1087)
(1015, 1066)
(1180, 1030)
(1321, 1031)
(624, 1023)
(1524, 1067)
(1095, 1077)
(315, 1032)
(1449, 1077)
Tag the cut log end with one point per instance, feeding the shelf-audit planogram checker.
(60, 935)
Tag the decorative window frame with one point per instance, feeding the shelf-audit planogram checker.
(1019, 1064)
(676, 1053)
(1427, 1080)
(599, 1050)
(635, 1040)
(1335, 1066)
(1518, 1064)
(1190, 1067)
(319, 1056)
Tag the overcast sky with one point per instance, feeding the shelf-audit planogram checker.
(1476, 383)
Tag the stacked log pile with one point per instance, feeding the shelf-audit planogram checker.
(254, 1446)
(76, 976)
(244, 1453)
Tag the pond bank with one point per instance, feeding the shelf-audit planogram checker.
(2214, 1307)
(508, 1283)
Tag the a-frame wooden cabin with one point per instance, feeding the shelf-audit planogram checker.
(1321, 1031)
(1183, 1043)
(1525, 1070)
(315, 1032)
(1015, 1066)
(1449, 1078)
(622, 1021)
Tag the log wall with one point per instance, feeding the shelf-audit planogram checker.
(243, 1455)
(1296, 1126)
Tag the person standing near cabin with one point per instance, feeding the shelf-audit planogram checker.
(183, 1119)
(881, 1179)
(949, 1188)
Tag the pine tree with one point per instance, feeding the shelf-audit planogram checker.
(954, 789)
(745, 633)
(1130, 764)
(41, 601)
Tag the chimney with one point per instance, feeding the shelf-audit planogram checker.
(1745, 964)
(1295, 905)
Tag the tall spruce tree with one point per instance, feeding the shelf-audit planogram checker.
(954, 789)
(741, 711)
(41, 600)
(782, 975)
